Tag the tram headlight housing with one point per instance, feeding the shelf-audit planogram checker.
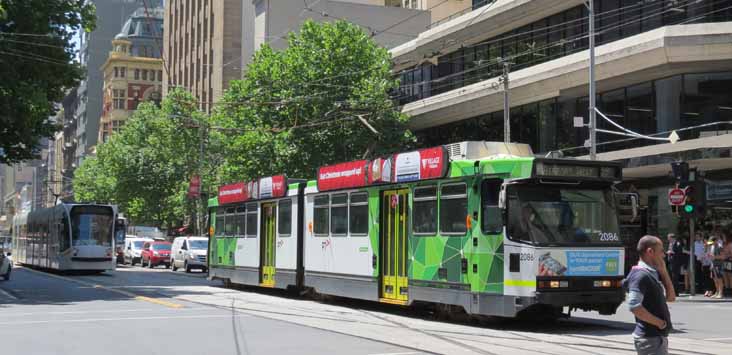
(553, 284)
(605, 283)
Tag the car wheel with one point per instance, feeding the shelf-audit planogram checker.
(150, 264)
(142, 262)
(187, 267)
(172, 265)
(6, 277)
(167, 266)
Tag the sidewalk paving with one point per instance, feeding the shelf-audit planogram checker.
(699, 298)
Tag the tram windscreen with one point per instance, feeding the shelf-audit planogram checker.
(548, 215)
(92, 225)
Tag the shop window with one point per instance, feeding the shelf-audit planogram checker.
(453, 209)
(424, 220)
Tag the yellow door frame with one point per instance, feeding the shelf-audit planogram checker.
(395, 207)
(269, 240)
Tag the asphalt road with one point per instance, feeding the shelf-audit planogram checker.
(45, 314)
(142, 311)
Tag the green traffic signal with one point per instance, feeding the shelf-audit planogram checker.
(689, 208)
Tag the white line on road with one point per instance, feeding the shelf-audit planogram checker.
(119, 319)
(104, 311)
(717, 339)
(8, 295)
(409, 353)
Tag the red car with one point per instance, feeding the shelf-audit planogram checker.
(155, 253)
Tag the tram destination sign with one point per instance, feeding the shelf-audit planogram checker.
(342, 176)
(268, 187)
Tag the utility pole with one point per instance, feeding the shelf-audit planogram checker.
(691, 271)
(593, 89)
(506, 103)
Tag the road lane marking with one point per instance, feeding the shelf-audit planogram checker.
(8, 295)
(115, 290)
(717, 339)
(408, 353)
(156, 309)
(116, 319)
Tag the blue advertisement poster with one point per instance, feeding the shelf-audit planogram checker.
(593, 263)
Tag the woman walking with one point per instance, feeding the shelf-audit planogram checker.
(715, 251)
(727, 262)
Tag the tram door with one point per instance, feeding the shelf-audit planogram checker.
(394, 217)
(268, 245)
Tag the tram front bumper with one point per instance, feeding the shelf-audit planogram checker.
(604, 301)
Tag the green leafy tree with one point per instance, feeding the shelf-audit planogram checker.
(145, 168)
(37, 63)
(310, 105)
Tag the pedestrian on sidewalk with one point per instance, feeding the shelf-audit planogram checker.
(715, 251)
(698, 254)
(677, 262)
(650, 288)
(727, 263)
(706, 261)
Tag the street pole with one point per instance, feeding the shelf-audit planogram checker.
(692, 276)
(201, 205)
(593, 89)
(506, 105)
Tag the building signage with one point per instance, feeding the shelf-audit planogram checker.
(719, 190)
(342, 176)
(380, 170)
(272, 187)
(423, 164)
(233, 193)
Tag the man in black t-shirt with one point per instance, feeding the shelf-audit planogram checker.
(650, 289)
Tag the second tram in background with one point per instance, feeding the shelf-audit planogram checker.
(66, 237)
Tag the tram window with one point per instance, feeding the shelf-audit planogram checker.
(219, 224)
(230, 222)
(241, 221)
(284, 218)
(252, 220)
(358, 214)
(320, 215)
(424, 220)
(453, 209)
(64, 233)
(492, 221)
(339, 215)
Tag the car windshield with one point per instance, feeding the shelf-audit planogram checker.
(161, 246)
(197, 244)
(137, 244)
(92, 225)
(548, 215)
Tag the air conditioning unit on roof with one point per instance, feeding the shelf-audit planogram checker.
(484, 149)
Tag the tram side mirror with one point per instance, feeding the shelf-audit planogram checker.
(9, 254)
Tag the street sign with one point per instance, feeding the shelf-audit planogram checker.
(676, 197)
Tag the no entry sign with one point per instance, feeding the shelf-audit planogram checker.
(676, 197)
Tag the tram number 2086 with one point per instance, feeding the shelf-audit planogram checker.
(609, 237)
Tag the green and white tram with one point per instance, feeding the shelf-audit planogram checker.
(481, 225)
(66, 237)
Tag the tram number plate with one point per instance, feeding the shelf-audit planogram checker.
(526, 257)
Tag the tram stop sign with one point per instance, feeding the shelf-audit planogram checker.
(676, 197)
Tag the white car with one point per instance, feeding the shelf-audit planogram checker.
(189, 253)
(133, 249)
(6, 265)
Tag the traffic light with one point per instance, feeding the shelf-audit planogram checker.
(680, 170)
(696, 199)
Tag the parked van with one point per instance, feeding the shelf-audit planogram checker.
(133, 249)
(189, 253)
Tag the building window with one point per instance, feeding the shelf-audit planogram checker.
(118, 98)
(116, 72)
(160, 75)
(137, 74)
(122, 72)
(144, 74)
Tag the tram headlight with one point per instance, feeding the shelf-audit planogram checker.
(602, 284)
